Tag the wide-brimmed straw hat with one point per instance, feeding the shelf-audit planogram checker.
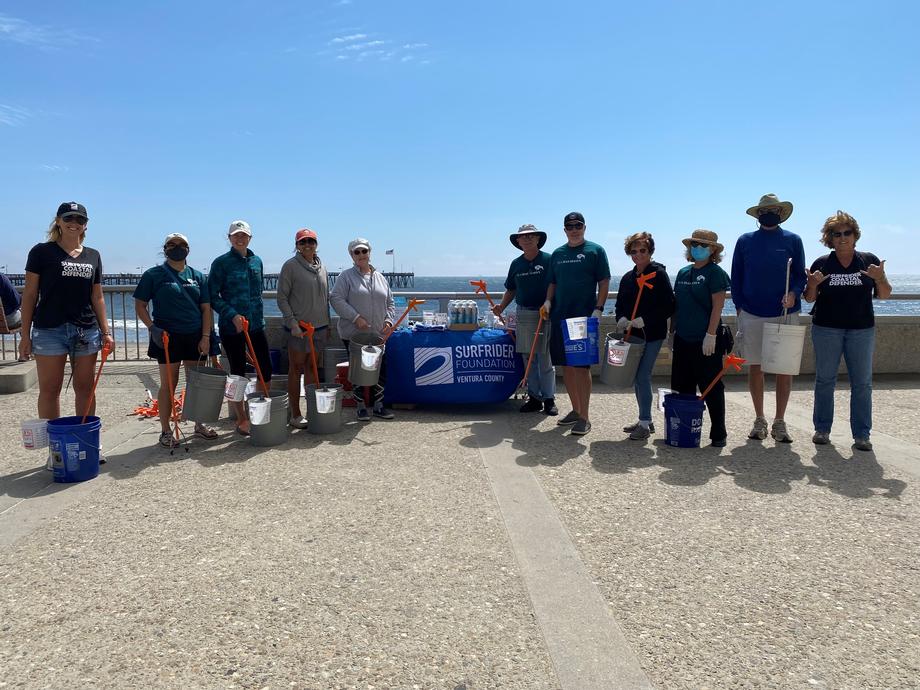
(528, 230)
(707, 237)
(768, 200)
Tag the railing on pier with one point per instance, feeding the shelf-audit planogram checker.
(269, 280)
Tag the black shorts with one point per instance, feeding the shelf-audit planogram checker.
(182, 347)
(235, 346)
(557, 347)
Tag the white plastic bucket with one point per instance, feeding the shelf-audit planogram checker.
(235, 388)
(370, 357)
(577, 327)
(617, 353)
(34, 433)
(325, 401)
(260, 411)
(782, 348)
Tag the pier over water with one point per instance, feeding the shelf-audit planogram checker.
(269, 280)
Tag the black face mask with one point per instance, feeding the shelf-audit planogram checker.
(177, 253)
(768, 219)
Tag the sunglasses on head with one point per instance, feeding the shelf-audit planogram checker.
(574, 226)
(641, 250)
(356, 252)
(306, 240)
(74, 219)
(843, 233)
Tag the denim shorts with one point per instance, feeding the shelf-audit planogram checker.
(66, 339)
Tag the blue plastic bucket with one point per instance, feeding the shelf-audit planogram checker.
(582, 352)
(683, 417)
(73, 448)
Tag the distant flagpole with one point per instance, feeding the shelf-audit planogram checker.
(392, 252)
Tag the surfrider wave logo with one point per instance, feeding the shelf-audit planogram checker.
(434, 366)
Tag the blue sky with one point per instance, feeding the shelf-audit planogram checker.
(438, 128)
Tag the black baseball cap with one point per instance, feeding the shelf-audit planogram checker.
(573, 216)
(72, 208)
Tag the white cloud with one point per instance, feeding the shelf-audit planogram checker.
(341, 57)
(13, 116)
(48, 38)
(414, 46)
(55, 168)
(349, 38)
(406, 58)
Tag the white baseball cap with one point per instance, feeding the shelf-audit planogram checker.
(239, 226)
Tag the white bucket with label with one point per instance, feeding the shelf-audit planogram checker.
(34, 433)
(235, 388)
(577, 327)
(325, 401)
(260, 411)
(370, 357)
(782, 348)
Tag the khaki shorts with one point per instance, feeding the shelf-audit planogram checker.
(749, 334)
(320, 338)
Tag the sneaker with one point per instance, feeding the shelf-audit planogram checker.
(821, 438)
(862, 444)
(582, 427)
(639, 433)
(569, 419)
(383, 412)
(630, 428)
(362, 414)
(718, 442)
(532, 405)
(299, 422)
(167, 440)
(779, 432)
(549, 407)
(759, 431)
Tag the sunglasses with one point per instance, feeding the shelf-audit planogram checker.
(74, 219)
(306, 240)
(698, 244)
(574, 226)
(843, 233)
(643, 250)
(358, 252)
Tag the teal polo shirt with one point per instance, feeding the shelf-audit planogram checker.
(529, 280)
(172, 311)
(576, 271)
(694, 288)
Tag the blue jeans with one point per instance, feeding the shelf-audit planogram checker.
(66, 339)
(856, 346)
(643, 383)
(541, 379)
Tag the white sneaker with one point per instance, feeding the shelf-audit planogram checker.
(299, 422)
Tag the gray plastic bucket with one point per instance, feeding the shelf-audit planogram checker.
(525, 330)
(324, 423)
(276, 431)
(622, 376)
(357, 374)
(204, 394)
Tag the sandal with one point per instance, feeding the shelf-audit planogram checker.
(242, 433)
(205, 432)
(167, 440)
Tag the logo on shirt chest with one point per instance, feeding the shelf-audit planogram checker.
(845, 280)
(70, 269)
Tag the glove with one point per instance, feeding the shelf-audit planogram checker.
(709, 344)
(596, 314)
(156, 335)
(638, 322)
(296, 331)
(622, 323)
(545, 309)
(670, 341)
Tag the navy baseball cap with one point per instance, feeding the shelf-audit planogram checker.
(72, 208)
(572, 217)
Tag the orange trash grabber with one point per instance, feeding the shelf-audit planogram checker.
(480, 286)
(533, 348)
(730, 361)
(106, 351)
(413, 303)
(643, 281)
(252, 353)
(308, 329)
(173, 412)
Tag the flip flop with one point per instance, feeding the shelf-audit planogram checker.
(205, 432)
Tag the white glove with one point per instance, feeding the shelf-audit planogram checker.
(596, 314)
(638, 322)
(622, 323)
(709, 344)
(296, 331)
(670, 341)
(545, 309)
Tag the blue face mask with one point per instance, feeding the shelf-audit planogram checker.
(699, 253)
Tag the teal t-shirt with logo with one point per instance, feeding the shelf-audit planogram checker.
(694, 288)
(576, 271)
(529, 279)
(172, 311)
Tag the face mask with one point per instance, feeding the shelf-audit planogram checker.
(177, 253)
(699, 253)
(769, 219)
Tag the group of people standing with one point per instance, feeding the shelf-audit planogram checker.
(63, 315)
(574, 281)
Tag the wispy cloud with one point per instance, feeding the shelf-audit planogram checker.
(414, 46)
(365, 47)
(20, 31)
(12, 116)
(348, 39)
(55, 168)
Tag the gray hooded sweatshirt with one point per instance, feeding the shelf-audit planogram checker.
(303, 292)
(355, 294)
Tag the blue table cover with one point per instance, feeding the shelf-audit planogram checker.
(451, 367)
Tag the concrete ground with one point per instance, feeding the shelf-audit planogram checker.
(470, 547)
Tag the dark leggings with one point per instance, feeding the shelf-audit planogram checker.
(691, 370)
(235, 346)
(376, 390)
